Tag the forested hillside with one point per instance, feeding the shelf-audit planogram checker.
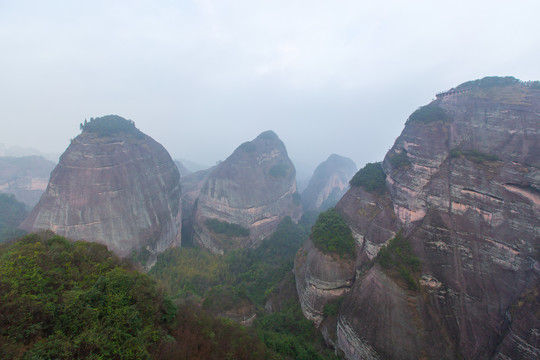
(76, 300)
(61, 299)
(252, 286)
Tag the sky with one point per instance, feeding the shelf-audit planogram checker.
(201, 77)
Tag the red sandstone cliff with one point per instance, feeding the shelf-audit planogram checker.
(463, 184)
(113, 185)
(254, 188)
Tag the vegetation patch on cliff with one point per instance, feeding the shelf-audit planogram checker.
(279, 171)
(332, 307)
(508, 89)
(473, 155)
(530, 299)
(398, 259)
(222, 227)
(110, 125)
(428, 114)
(331, 234)
(248, 147)
(371, 177)
(399, 159)
(489, 82)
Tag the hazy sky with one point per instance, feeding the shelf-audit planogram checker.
(201, 77)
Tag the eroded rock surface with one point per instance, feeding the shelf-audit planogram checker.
(120, 188)
(254, 188)
(463, 184)
(320, 278)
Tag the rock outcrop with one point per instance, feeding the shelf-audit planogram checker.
(462, 183)
(329, 183)
(25, 177)
(113, 185)
(249, 194)
(320, 279)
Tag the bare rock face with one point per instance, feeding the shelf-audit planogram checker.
(463, 185)
(25, 177)
(320, 278)
(113, 185)
(252, 190)
(524, 328)
(329, 183)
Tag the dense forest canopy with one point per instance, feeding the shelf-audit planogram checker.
(12, 213)
(66, 300)
(63, 299)
(249, 278)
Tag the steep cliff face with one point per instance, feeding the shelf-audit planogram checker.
(329, 182)
(320, 279)
(463, 183)
(113, 185)
(25, 177)
(249, 194)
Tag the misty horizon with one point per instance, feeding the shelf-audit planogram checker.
(202, 77)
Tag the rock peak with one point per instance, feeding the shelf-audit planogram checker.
(253, 189)
(124, 194)
(268, 135)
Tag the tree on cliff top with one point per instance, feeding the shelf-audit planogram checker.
(331, 234)
(371, 177)
(109, 125)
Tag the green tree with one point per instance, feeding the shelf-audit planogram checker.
(397, 258)
(64, 300)
(12, 213)
(331, 234)
(371, 177)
